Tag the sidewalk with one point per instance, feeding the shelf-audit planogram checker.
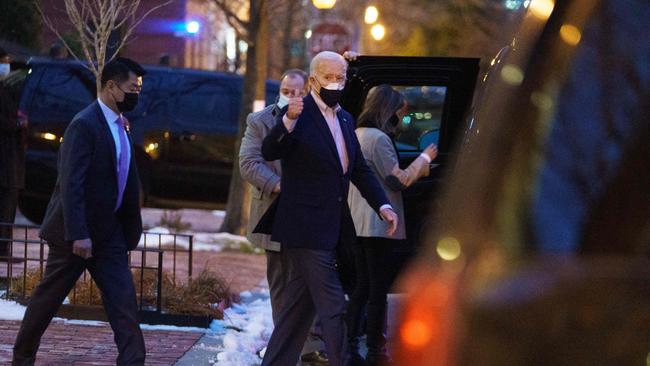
(66, 343)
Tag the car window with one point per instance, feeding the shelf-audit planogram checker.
(154, 105)
(61, 93)
(207, 104)
(421, 125)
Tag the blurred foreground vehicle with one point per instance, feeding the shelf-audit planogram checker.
(540, 253)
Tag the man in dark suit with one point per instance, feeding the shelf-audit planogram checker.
(320, 155)
(264, 176)
(93, 218)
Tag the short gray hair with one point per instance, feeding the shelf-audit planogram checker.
(325, 56)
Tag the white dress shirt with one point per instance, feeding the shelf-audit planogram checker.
(111, 119)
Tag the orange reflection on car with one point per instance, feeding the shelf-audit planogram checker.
(426, 329)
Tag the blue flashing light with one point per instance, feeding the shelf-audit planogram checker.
(193, 27)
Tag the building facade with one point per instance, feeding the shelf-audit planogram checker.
(185, 33)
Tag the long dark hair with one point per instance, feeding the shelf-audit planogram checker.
(380, 106)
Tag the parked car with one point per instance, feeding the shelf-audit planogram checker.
(183, 128)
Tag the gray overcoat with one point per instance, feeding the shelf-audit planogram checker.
(261, 174)
(381, 157)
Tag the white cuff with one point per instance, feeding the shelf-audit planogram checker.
(426, 157)
(386, 206)
(289, 123)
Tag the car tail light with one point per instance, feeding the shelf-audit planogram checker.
(426, 333)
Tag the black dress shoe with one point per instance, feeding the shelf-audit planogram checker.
(315, 358)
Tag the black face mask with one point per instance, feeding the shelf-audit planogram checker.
(128, 103)
(330, 97)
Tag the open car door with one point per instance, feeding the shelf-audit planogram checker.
(439, 92)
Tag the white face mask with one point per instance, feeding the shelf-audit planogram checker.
(4, 70)
(283, 100)
(334, 86)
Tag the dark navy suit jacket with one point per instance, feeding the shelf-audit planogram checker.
(312, 211)
(86, 188)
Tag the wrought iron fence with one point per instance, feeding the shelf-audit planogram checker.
(158, 253)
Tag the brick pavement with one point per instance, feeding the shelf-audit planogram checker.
(68, 344)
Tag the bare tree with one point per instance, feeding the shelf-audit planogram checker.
(94, 21)
(254, 31)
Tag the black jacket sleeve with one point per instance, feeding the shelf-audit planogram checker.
(74, 160)
(278, 143)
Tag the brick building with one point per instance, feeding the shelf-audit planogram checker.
(166, 34)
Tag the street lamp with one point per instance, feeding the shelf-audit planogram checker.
(324, 4)
(378, 32)
(372, 14)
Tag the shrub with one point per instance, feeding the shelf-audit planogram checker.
(207, 294)
(174, 221)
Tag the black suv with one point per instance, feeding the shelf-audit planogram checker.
(439, 92)
(184, 129)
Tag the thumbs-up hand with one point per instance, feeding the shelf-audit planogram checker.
(295, 108)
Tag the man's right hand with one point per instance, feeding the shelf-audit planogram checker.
(295, 108)
(83, 248)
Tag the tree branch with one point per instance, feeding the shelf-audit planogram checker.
(234, 21)
(48, 22)
(94, 21)
(134, 24)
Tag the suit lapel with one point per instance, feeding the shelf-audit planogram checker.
(321, 125)
(106, 134)
(269, 118)
(347, 136)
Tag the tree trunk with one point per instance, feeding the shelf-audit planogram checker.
(287, 39)
(237, 208)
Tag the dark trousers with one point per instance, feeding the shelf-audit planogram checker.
(278, 272)
(313, 287)
(8, 204)
(372, 261)
(111, 272)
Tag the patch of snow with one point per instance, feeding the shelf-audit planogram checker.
(247, 327)
(202, 241)
(11, 310)
(173, 328)
(90, 323)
